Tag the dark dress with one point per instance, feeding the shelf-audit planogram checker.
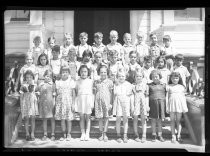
(157, 100)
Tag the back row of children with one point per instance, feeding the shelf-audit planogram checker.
(124, 83)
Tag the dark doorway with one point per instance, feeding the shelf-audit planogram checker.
(104, 21)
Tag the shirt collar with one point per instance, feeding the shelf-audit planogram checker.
(126, 45)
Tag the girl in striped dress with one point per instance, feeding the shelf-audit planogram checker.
(103, 100)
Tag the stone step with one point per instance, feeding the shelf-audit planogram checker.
(94, 131)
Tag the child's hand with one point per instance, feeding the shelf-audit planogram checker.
(148, 109)
(54, 93)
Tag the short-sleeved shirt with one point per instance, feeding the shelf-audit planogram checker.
(146, 73)
(183, 72)
(65, 50)
(169, 50)
(165, 75)
(118, 47)
(56, 65)
(81, 48)
(142, 49)
(36, 51)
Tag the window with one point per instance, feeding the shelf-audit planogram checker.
(20, 15)
(189, 14)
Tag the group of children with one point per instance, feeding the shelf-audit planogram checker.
(113, 80)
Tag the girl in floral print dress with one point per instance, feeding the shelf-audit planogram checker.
(65, 102)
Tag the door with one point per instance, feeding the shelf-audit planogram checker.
(103, 21)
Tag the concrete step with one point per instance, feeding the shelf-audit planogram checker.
(94, 131)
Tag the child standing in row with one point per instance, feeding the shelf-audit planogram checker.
(28, 103)
(56, 63)
(141, 48)
(176, 103)
(147, 68)
(127, 47)
(157, 103)
(83, 37)
(85, 100)
(122, 104)
(46, 103)
(68, 44)
(140, 106)
(42, 66)
(98, 46)
(103, 100)
(48, 51)
(65, 102)
(114, 45)
(181, 69)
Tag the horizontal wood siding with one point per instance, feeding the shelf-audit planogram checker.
(59, 26)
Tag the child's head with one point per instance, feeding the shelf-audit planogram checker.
(140, 36)
(37, 41)
(113, 36)
(84, 72)
(139, 76)
(166, 40)
(48, 75)
(72, 54)
(155, 76)
(147, 62)
(83, 37)
(55, 51)
(179, 59)
(51, 41)
(65, 72)
(153, 38)
(28, 76)
(161, 61)
(113, 56)
(175, 78)
(87, 54)
(103, 71)
(42, 60)
(132, 56)
(98, 57)
(29, 59)
(68, 39)
(121, 75)
(127, 38)
(98, 38)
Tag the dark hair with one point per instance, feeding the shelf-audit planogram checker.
(153, 34)
(159, 58)
(179, 57)
(48, 72)
(83, 66)
(39, 62)
(56, 48)
(147, 58)
(98, 35)
(37, 38)
(83, 34)
(132, 52)
(64, 68)
(155, 72)
(166, 37)
(28, 72)
(175, 74)
(87, 52)
(51, 38)
(102, 66)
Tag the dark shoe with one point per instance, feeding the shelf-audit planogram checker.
(27, 138)
(161, 138)
(154, 137)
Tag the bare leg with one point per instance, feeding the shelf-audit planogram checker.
(101, 124)
(26, 125)
(179, 126)
(53, 126)
(144, 126)
(118, 122)
(45, 126)
(87, 118)
(82, 126)
(172, 116)
(106, 123)
(69, 126)
(32, 126)
(135, 125)
(125, 125)
(159, 127)
(63, 126)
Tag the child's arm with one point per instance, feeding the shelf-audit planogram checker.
(147, 98)
(167, 96)
(73, 99)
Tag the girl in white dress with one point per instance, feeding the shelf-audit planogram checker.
(85, 100)
(176, 103)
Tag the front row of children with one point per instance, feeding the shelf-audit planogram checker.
(62, 99)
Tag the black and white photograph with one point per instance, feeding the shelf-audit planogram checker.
(108, 79)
